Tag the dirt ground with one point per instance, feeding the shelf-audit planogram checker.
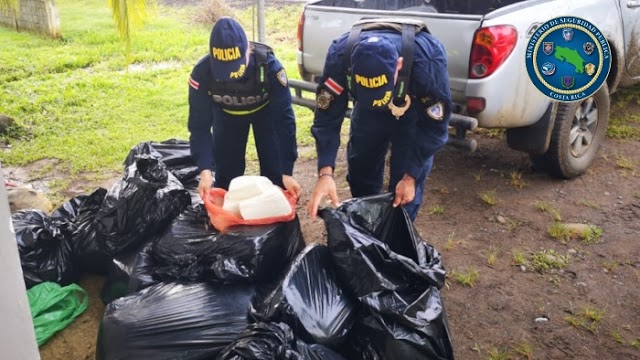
(589, 310)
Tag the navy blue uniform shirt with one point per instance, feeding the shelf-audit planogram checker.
(203, 110)
(428, 89)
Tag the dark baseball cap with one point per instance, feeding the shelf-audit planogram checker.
(374, 60)
(228, 45)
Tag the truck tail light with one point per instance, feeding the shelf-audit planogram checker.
(491, 47)
(300, 27)
(475, 105)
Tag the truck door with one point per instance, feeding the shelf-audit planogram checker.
(630, 11)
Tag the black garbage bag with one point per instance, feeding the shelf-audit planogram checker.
(173, 321)
(191, 249)
(382, 259)
(256, 254)
(325, 353)
(379, 337)
(180, 251)
(274, 341)
(129, 272)
(176, 156)
(82, 211)
(44, 245)
(140, 205)
(174, 153)
(310, 300)
(69, 210)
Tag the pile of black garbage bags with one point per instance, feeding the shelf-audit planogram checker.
(178, 289)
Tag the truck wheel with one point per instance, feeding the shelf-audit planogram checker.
(578, 134)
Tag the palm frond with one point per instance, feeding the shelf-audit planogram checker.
(129, 15)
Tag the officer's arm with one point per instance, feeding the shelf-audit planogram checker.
(200, 120)
(331, 104)
(282, 111)
(434, 112)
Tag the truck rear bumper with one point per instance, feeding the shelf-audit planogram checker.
(461, 123)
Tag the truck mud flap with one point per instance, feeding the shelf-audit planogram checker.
(535, 138)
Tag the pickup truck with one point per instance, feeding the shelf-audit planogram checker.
(488, 79)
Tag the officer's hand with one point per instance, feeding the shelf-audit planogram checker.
(405, 191)
(291, 185)
(325, 186)
(206, 180)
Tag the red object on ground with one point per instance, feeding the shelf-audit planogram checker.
(222, 220)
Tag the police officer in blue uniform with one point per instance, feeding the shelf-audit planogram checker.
(238, 85)
(397, 76)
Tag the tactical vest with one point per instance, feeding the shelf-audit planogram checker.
(409, 28)
(247, 95)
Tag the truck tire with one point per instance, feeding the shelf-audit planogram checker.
(578, 134)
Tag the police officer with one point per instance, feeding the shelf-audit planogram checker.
(238, 85)
(397, 76)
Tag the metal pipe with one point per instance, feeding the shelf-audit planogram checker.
(261, 36)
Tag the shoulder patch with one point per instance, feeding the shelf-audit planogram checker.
(282, 77)
(333, 86)
(194, 84)
(436, 111)
(323, 100)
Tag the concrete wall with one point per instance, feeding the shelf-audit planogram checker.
(39, 16)
(17, 337)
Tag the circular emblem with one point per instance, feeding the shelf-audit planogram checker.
(323, 100)
(568, 59)
(548, 68)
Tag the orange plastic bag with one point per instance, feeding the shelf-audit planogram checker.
(222, 220)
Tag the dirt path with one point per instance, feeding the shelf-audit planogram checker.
(499, 312)
(588, 310)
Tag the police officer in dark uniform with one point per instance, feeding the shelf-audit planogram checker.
(397, 75)
(240, 84)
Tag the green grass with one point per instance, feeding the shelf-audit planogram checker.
(588, 319)
(436, 210)
(518, 257)
(75, 99)
(560, 232)
(466, 278)
(525, 350)
(489, 197)
(563, 233)
(515, 179)
(546, 260)
(492, 255)
(617, 337)
(624, 122)
(547, 208)
(498, 353)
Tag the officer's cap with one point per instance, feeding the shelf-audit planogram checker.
(228, 45)
(374, 59)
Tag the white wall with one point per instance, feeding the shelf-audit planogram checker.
(17, 338)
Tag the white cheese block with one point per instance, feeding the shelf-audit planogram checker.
(269, 204)
(231, 205)
(247, 186)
